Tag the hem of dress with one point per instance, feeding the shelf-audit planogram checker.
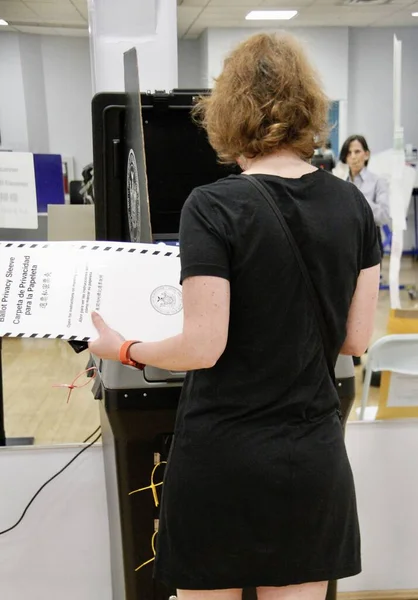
(311, 577)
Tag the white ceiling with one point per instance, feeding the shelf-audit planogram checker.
(46, 17)
(196, 15)
(69, 17)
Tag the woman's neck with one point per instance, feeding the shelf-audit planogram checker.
(353, 174)
(283, 163)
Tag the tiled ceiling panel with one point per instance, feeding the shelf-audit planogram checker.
(64, 12)
(311, 13)
(200, 3)
(82, 8)
(284, 4)
(249, 4)
(38, 30)
(16, 11)
(64, 31)
(194, 16)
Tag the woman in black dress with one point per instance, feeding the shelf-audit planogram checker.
(258, 490)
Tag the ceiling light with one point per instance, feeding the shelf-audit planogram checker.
(415, 14)
(3, 22)
(271, 15)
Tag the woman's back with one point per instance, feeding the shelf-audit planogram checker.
(274, 364)
(258, 490)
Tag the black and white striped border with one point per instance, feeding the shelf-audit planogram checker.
(102, 247)
(46, 336)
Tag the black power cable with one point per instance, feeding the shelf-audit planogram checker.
(91, 435)
(51, 479)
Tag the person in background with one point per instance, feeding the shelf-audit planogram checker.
(327, 151)
(355, 154)
(324, 158)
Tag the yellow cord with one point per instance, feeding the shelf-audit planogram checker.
(153, 486)
(153, 550)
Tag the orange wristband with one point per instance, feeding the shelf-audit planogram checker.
(125, 355)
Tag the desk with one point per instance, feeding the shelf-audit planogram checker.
(27, 235)
(68, 222)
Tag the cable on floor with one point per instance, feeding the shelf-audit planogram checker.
(92, 434)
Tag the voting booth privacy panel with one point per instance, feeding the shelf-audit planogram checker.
(148, 156)
(178, 159)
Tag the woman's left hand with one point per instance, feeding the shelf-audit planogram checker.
(109, 342)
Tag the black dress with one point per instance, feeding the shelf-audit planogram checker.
(258, 490)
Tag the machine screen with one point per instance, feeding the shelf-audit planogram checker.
(179, 158)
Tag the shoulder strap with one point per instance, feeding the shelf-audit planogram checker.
(265, 193)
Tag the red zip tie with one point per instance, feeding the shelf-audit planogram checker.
(72, 386)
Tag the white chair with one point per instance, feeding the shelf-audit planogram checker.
(397, 353)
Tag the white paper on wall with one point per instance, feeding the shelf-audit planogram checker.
(18, 204)
(50, 289)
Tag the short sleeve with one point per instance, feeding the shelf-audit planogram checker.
(203, 245)
(371, 254)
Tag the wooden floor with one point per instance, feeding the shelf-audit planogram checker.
(380, 595)
(33, 407)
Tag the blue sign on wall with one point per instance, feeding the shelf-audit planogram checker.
(49, 180)
(333, 120)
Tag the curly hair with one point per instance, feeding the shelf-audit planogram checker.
(268, 97)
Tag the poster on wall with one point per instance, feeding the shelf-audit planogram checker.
(49, 290)
(49, 181)
(18, 200)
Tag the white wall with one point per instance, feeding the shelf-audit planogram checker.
(327, 47)
(370, 101)
(191, 74)
(68, 90)
(60, 551)
(13, 124)
(204, 59)
(34, 93)
(45, 100)
(383, 456)
(150, 27)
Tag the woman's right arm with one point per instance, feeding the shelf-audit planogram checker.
(360, 320)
